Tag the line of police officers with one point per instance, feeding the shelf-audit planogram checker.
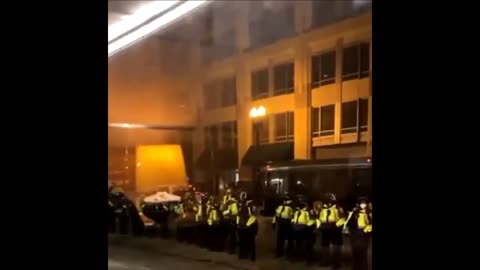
(211, 224)
(296, 225)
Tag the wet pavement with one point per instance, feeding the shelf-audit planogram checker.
(131, 259)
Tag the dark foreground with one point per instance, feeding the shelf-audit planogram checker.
(162, 254)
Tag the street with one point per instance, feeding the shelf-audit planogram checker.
(131, 259)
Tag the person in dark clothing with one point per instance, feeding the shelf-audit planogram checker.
(247, 229)
(359, 226)
(282, 221)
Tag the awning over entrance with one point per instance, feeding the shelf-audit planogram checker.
(261, 154)
(322, 164)
(222, 159)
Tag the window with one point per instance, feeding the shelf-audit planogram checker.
(211, 137)
(323, 69)
(323, 121)
(283, 79)
(210, 94)
(229, 92)
(229, 134)
(270, 23)
(260, 132)
(363, 114)
(349, 117)
(356, 61)
(260, 84)
(284, 127)
(354, 115)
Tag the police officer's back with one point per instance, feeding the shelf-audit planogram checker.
(282, 221)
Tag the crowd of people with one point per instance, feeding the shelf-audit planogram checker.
(231, 225)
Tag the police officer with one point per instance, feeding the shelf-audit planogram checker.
(201, 227)
(247, 228)
(330, 222)
(227, 196)
(185, 220)
(359, 225)
(215, 240)
(282, 221)
(230, 216)
(303, 225)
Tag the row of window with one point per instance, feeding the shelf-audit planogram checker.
(355, 65)
(270, 22)
(220, 93)
(283, 127)
(354, 117)
(227, 132)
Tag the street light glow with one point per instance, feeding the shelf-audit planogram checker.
(257, 112)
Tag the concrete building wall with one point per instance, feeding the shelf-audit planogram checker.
(298, 50)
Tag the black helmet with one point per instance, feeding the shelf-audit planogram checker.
(362, 199)
(330, 198)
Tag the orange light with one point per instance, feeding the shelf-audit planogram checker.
(161, 165)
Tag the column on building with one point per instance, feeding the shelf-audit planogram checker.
(303, 15)
(242, 31)
(369, 133)
(302, 95)
(338, 84)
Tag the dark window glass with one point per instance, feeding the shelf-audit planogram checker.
(327, 120)
(229, 93)
(364, 60)
(356, 61)
(363, 117)
(284, 126)
(315, 122)
(290, 126)
(261, 127)
(350, 63)
(349, 117)
(323, 69)
(229, 134)
(260, 84)
(280, 127)
(327, 68)
(283, 79)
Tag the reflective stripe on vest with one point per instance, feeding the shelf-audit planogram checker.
(362, 219)
(329, 215)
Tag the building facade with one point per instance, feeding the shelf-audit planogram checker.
(308, 63)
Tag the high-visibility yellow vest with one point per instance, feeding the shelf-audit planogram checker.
(330, 215)
(213, 217)
(283, 212)
(362, 219)
(232, 209)
(302, 217)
